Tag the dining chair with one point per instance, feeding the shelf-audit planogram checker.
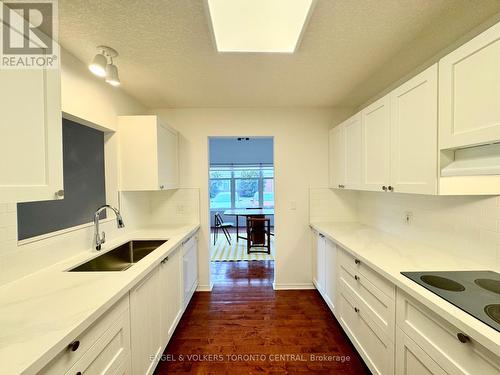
(220, 224)
(258, 235)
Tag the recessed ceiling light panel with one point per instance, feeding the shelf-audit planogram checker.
(258, 25)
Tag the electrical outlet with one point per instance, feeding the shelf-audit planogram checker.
(408, 217)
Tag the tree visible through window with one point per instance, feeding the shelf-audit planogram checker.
(241, 186)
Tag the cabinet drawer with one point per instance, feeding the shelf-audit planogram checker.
(67, 358)
(372, 342)
(439, 340)
(110, 354)
(377, 304)
(347, 260)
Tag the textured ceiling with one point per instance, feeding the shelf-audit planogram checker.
(168, 58)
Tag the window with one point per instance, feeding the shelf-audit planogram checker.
(84, 186)
(241, 186)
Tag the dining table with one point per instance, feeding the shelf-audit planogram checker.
(246, 212)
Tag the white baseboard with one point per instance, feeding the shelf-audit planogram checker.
(293, 286)
(205, 287)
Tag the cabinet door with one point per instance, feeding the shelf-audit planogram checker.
(171, 294)
(414, 134)
(168, 160)
(190, 268)
(376, 145)
(145, 324)
(31, 141)
(337, 157)
(412, 360)
(353, 152)
(331, 273)
(320, 262)
(469, 88)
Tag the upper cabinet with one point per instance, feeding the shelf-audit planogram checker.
(376, 151)
(345, 154)
(353, 138)
(414, 134)
(31, 140)
(391, 145)
(469, 92)
(337, 157)
(148, 154)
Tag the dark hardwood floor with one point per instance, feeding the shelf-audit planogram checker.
(243, 326)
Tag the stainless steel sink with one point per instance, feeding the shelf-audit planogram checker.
(120, 258)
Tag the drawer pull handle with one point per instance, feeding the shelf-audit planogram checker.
(357, 261)
(74, 346)
(463, 338)
(356, 309)
(356, 277)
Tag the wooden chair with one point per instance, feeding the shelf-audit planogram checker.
(223, 226)
(258, 234)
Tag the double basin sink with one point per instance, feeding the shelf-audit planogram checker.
(120, 258)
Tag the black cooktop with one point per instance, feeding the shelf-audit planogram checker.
(475, 292)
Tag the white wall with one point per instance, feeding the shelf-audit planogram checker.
(86, 97)
(301, 159)
(228, 150)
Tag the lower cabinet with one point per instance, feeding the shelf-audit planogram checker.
(171, 301)
(412, 360)
(104, 348)
(145, 324)
(438, 339)
(190, 267)
(325, 277)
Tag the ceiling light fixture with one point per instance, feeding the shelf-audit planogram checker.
(102, 65)
(258, 25)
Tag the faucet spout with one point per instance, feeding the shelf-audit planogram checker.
(101, 238)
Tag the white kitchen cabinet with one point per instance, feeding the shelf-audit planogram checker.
(412, 360)
(469, 88)
(190, 268)
(414, 131)
(439, 339)
(370, 340)
(171, 299)
(320, 262)
(148, 154)
(104, 348)
(376, 145)
(145, 324)
(331, 274)
(337, 157)
(31, 134)
(353, 157)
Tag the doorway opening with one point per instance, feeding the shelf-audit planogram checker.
(241, 200)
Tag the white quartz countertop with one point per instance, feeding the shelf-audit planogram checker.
(42, 313)
(389, 255)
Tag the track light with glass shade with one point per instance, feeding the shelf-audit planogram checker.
(103, 66)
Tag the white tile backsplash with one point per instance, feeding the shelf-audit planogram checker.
(465, 226)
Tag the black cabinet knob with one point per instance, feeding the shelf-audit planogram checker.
(356, 277)
(384, 188)
(390, 188)
(357, 261)
(74, 346)
(462, 337)
(356, 309)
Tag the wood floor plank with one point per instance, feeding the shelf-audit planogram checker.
(245, 327)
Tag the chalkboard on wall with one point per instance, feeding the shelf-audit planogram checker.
(84, 185)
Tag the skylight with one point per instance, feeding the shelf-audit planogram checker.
(258, 25)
